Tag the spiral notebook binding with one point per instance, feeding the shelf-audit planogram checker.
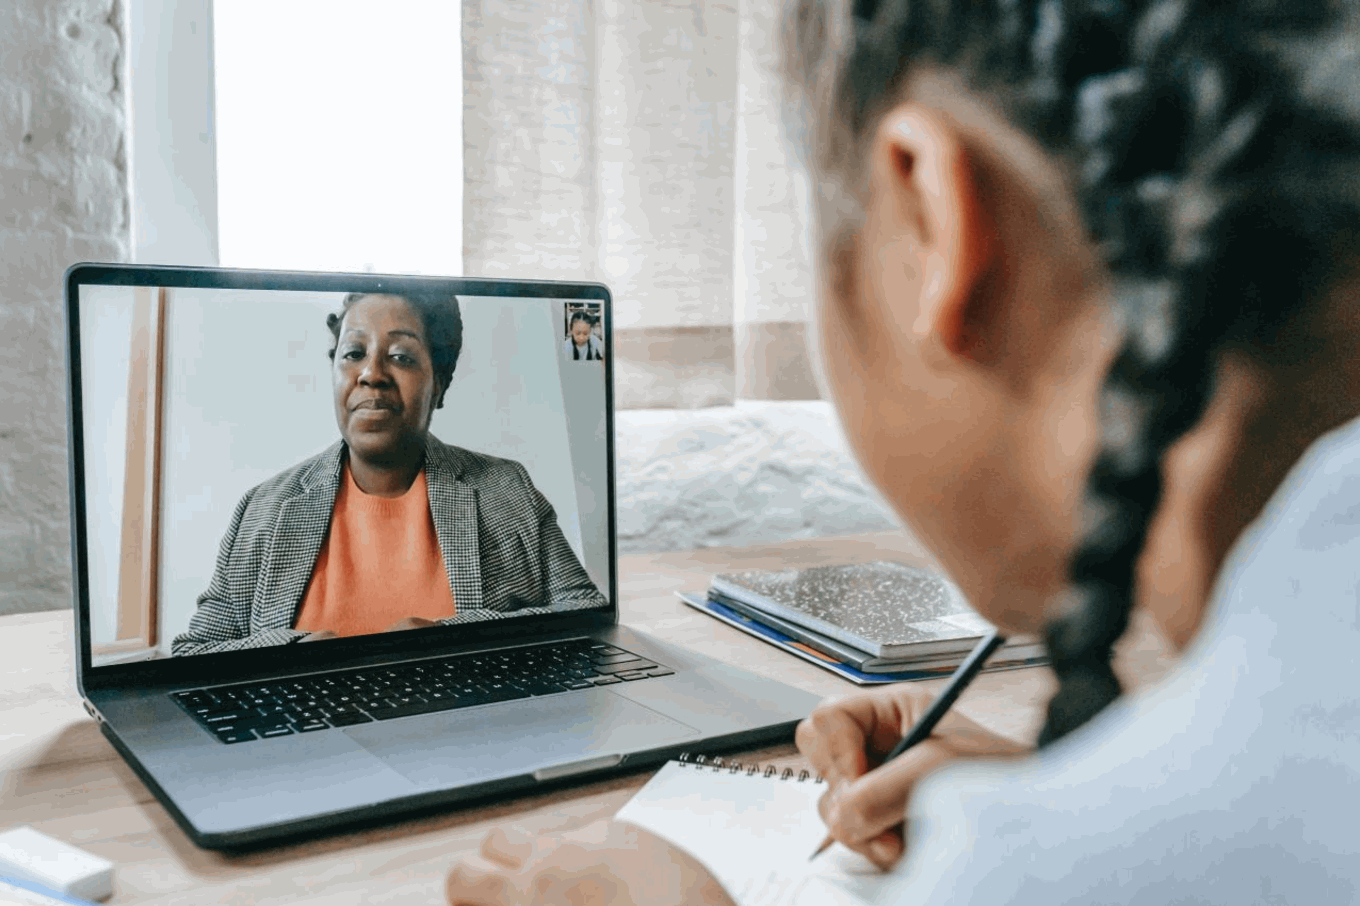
(751, 769)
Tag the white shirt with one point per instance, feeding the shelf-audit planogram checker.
(1235, 780)
(593, 347)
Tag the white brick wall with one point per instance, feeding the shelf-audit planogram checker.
(63, 199)
(754, 473)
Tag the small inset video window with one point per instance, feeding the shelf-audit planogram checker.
(584, 335)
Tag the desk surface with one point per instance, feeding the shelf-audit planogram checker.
(59, 774)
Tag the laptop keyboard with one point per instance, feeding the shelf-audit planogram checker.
(248, 711)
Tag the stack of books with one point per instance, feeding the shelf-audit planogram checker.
(876, 622)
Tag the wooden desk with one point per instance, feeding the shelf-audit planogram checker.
(59, 774)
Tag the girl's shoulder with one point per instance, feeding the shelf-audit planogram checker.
(1160, 796)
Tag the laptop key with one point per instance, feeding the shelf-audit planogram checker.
(309, 726)
(615, 658)
(543, 688)
(229, 717)
(412, 709)
(628, 667)
(606, 680)
(348, 720)
(276, 731)
(505, 695)
(235, 736)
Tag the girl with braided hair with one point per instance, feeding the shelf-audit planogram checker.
(1086, 315)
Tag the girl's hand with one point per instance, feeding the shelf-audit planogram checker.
(846, 740)
(607, 862)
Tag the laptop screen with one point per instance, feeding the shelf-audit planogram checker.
(266, 467)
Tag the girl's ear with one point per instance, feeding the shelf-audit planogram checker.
(921, 162)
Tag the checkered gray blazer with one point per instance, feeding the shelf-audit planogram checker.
(499, 536)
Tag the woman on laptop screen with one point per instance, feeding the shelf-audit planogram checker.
(390, 528)
(1088, 309)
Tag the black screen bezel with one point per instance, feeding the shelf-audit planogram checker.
(243, 665)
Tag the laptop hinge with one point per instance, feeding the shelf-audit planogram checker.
(91, 710)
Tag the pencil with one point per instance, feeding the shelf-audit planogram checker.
(926, 725)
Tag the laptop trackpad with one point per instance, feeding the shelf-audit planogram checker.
(505, 740)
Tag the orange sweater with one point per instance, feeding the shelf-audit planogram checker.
(380, 563)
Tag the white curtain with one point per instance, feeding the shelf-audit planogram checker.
(639, 143)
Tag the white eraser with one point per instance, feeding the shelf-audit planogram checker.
(32, 856)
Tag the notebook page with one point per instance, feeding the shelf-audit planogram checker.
(754, 834)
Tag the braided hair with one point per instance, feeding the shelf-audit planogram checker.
(1199, 163)
(583, 317)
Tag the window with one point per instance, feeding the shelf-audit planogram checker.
(339, 135)
(297, 135)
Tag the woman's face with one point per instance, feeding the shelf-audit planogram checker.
(385, 389)
(580, 332)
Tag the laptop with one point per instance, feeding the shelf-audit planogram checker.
(270, 663)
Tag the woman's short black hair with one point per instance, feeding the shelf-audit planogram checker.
(442, 319)
(580, 315)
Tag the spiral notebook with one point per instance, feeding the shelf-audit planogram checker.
(753, 827)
